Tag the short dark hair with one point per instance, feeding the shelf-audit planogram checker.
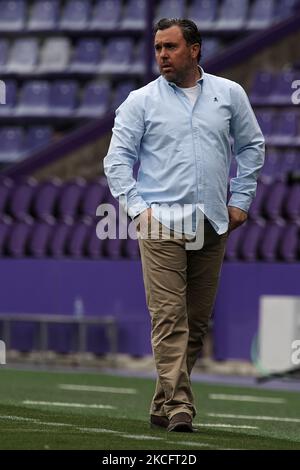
(189, 30)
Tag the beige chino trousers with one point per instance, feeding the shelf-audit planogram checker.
(180, 288)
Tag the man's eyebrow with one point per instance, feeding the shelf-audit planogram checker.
(165, 44)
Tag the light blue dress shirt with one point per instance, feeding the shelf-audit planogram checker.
(185, 150)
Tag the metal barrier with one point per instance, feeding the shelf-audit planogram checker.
(43, 321)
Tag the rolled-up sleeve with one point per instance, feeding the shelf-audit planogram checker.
(123, 153)
(249, 150)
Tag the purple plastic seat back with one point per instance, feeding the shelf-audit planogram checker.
(75, 14)
(271, 168)
(203, 12)
(6, 189)
(94, 246)
(44, 15)
(113, 248)
(87, 52)
(269, 246)
(251, 240)
(95, 98)
(233, 13)
(76, 244)
(5, 229)
(170, 9)
(95, 194)
(134, 16)
(274, 200)
(256, 208)
(35, 94)
(4, 45)
(63, 96)
(287, 124)
(292, 203)
(262, 87)
(12, 143)
(106, 15)
(45, 199)
(21, 199)
(18, 239)
(59, 240)
(121, 92)
(70, 199)
(233, 244)
(40, 237)
(131, 249)
(12, 15)
(37, 137)
(290, 243)
(266, 122)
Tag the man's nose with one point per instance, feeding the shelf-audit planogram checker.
(164, 53)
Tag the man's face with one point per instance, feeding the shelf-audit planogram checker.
(174, 57)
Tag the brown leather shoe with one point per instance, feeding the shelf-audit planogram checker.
(181, 422)
(158, 421)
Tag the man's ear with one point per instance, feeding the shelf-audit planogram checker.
(195, 50)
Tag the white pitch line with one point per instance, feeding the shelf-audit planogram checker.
(235, 426)
(69, 405)
(96, 388)
(258, 418)
(247, 398)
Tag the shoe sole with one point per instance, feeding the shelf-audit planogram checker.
(181, 427)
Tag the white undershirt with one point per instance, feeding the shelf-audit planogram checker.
(192, 93)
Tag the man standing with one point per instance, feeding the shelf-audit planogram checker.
(179, 128)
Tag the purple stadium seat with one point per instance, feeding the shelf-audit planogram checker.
(233, 243)
(262, 14)
(211, 46)
(134, 16)
(59, 240)
(284, 8)
(21, 199)
(12, 15)
(95, 99)
(94, 246)
(95, 194)
(233, 14)
(17, 242)
(7, 108)
(63, 97)
(4, 47)
(55, 54)
(286, 127)
(170, 9)
(38, 137)
(118, 55)
(281, 93)
(23, 56)
(75, 15)
(76, 244)
(251, 240)
(266, 122)
(12, 143)
(6, 189)
(292, 202)
(86, 56)
(106, 15)
(121, 92)
(271, 168)
(45, 199)
(273, 203)
(203, 13)
(5, 229)
(34, 98)
(269, 246)
(113, 248)
(289, 162)
(70, 198)
(262, 87)
(44, 15)
(39, 239)
(256, 208)
(131, 249)
(290, 243)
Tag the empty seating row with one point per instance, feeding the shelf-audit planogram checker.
(269, 88)
(57, 54)
(256, 240)
(269, 242)
(111, 14)
(63, 98)
(280, 127)
(18, 142)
